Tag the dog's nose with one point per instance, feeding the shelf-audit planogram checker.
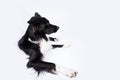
(57, 27)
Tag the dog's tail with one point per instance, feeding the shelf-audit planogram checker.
(22, 41)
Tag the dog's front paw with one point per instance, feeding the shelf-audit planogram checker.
(56, 39)
(66, 46)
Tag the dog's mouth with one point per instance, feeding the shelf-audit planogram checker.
(51, 30)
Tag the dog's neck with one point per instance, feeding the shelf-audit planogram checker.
(35, 42)
(45, 45)
(38, 41)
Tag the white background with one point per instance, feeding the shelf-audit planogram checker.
(91, 27)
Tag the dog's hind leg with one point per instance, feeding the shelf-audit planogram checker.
(67, 72)
(35, 61)
(42, 66)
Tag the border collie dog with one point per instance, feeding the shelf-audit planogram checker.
(35, 42)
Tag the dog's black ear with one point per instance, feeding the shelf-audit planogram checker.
(31, 20)
(35, 19)
(37, 15)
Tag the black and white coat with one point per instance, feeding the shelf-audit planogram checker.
(35, 43)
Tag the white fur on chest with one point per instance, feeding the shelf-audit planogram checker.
(44, 45)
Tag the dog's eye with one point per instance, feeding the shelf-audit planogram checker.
(47, 24)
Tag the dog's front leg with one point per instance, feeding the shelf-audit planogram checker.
(57, 46)
(53, 39)
(60, 46)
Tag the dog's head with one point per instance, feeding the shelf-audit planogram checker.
(41, 24)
